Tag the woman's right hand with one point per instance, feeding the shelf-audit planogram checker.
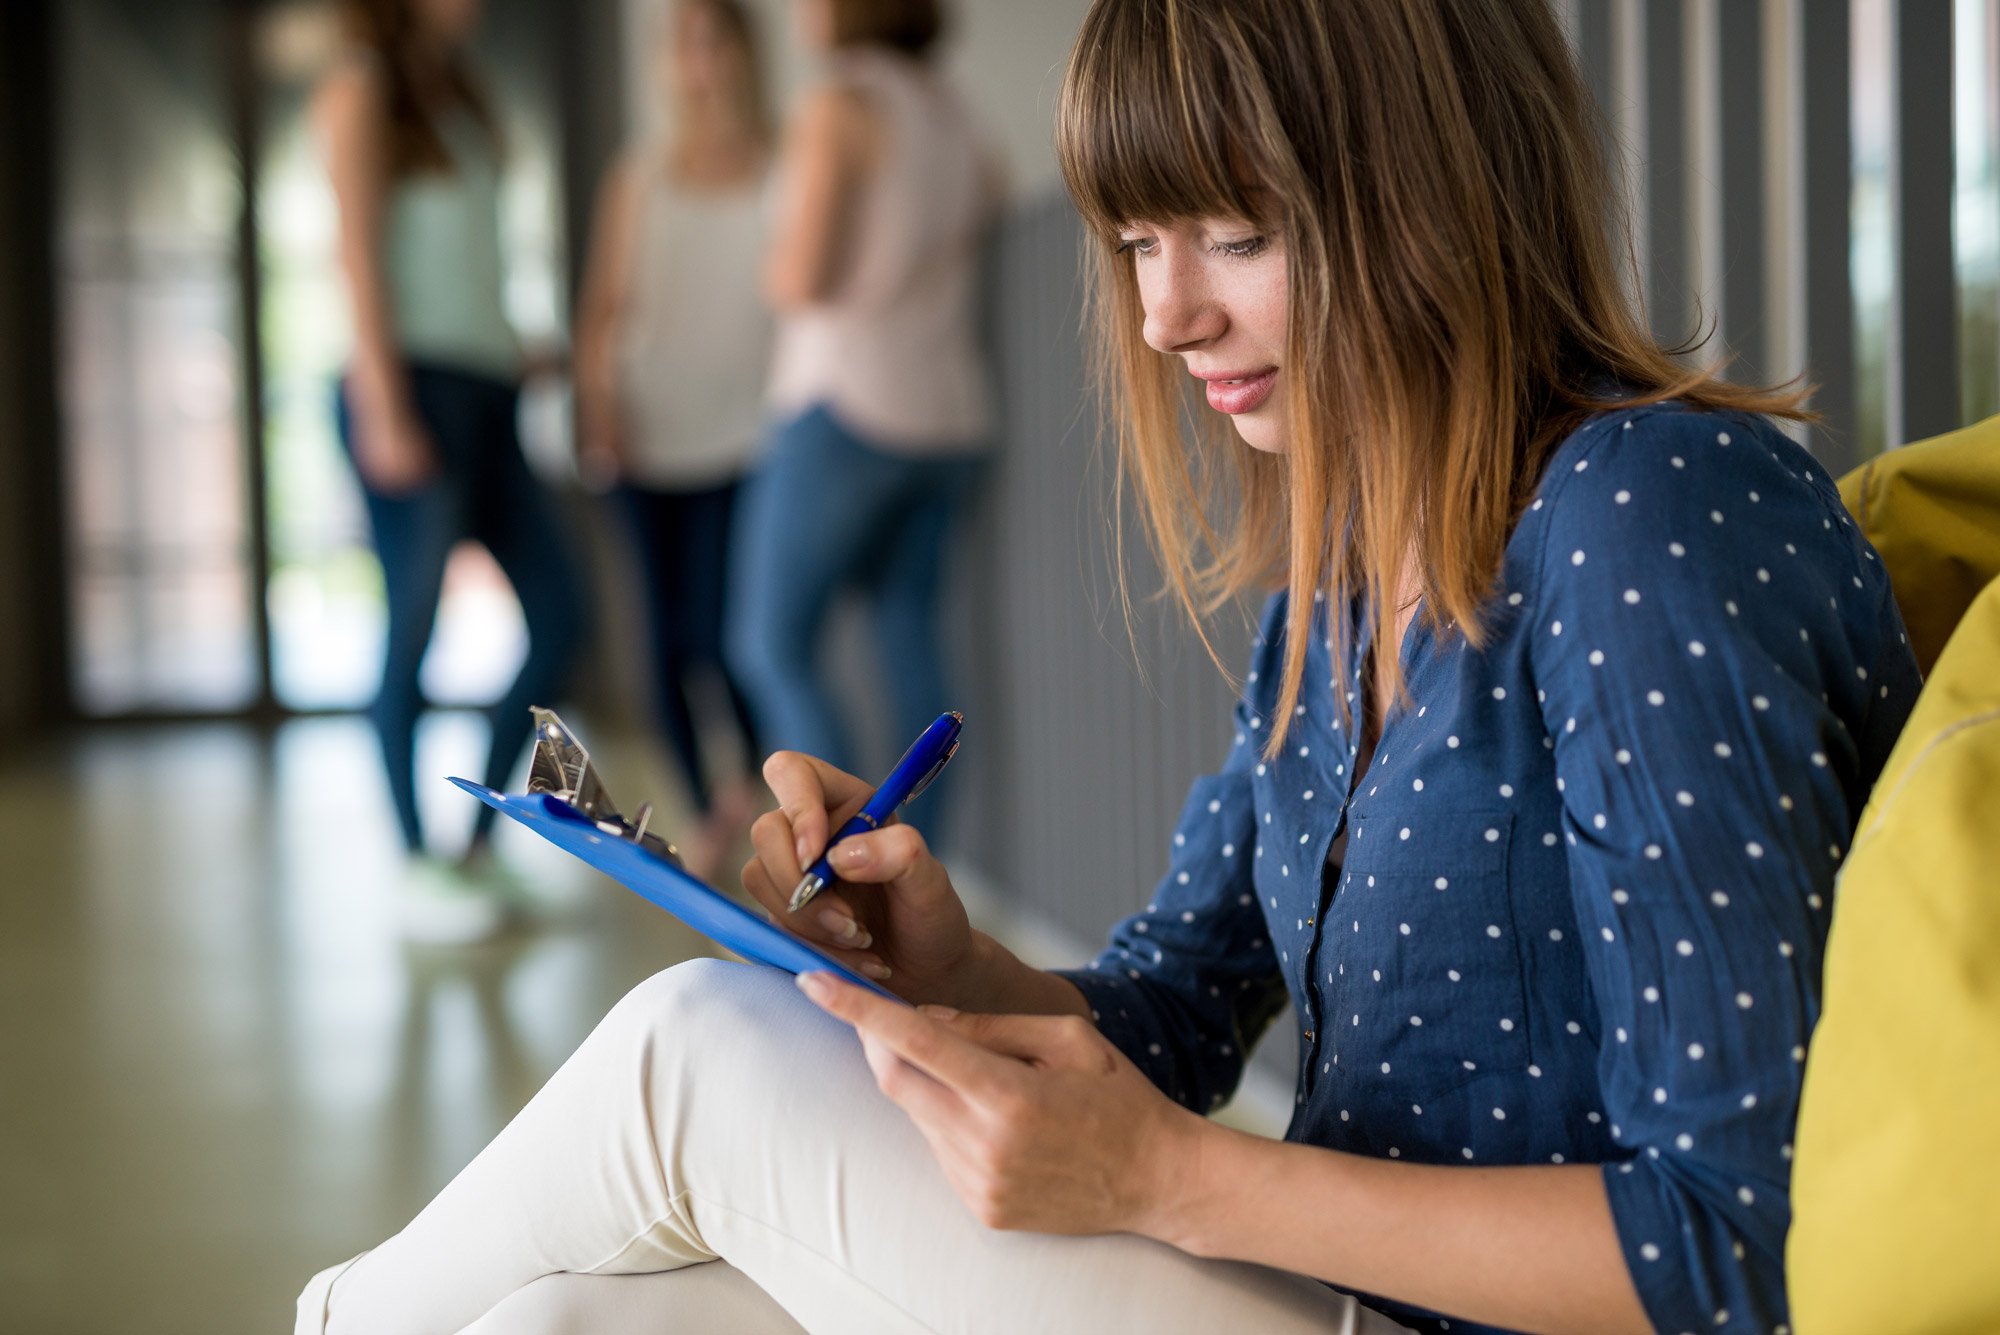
(891, 914)
(395, 454)
(601, 453)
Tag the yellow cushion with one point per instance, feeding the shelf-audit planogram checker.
(1896, 1178)
(1932, 510)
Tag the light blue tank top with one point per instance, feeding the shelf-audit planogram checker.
(441, 243)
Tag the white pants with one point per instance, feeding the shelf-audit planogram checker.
(716, 1157)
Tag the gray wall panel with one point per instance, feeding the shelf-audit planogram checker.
(1670, 303)
(1825, 69)
(1923, 395)
(1743, 181)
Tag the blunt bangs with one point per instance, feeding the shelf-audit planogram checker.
(1151, 125)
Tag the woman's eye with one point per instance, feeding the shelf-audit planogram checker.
(1136, 245)
(1249, 248)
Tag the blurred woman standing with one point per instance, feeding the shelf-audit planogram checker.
(878, 387)
(427, 406)
(673, 344)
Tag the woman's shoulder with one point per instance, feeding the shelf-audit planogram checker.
(1660, 520)
(1710, 545)
(1656, 482)
(1703, 447)
(351, 87)
(901, 88)
(354, 70)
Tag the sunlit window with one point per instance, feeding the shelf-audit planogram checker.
(160, 596)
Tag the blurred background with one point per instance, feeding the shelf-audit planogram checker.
(222, 1066)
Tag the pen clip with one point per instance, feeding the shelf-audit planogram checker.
(931, 774)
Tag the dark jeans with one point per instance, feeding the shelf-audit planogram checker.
(829, 512)
(482, 491)
(683, 540)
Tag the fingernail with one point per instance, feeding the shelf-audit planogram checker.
(843, 926)
(815, 985)
(937, 1012)
(805, 850)
(876, 970)
(850, 855)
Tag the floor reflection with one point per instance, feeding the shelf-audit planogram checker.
(219, 1066)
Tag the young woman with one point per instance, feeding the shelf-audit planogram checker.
(878, 390)
(427, 407)
(673, 343)
(1544, 888)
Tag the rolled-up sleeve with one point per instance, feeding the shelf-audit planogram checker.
(1689, 645)
(1187, 986)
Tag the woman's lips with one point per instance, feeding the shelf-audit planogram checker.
(1242, 395)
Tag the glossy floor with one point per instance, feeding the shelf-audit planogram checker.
(220, 1069)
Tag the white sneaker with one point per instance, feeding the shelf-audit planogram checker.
(437, 906)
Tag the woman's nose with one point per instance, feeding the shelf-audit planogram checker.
(1181, 312)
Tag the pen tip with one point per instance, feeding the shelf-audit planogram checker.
(806, 889)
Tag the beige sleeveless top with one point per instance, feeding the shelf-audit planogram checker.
(894, 353)
(695, 350)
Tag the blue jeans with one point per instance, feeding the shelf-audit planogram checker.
(828, 513)
(482, 491)
(683, 542)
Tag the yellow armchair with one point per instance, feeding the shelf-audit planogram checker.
(1933, 511)
(1896, 1178)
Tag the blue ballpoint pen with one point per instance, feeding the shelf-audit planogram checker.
(913, 773)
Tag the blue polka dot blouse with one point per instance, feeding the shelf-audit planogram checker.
(1586, 879)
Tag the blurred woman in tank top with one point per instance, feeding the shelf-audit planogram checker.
(427, 406)
(878, 390)
(673, 345)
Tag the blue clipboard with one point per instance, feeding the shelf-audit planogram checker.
(658, 881)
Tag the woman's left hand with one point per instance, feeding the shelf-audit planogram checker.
(1039, 1123)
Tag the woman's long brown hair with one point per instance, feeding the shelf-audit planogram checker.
(1456, 307)
(909, 26)
(389, 29)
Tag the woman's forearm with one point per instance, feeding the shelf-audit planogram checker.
(349, 112)
(380, 380)
(825, 155)
(596, 377)
(607, 278)
(1529, 1248)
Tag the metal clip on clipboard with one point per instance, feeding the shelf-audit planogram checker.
(566, 804)
(562, 769)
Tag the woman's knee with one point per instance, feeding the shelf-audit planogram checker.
(722, 1005)
(670, 995)
(720, 1047)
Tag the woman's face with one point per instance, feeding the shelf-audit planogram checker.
(1213, 290)
(704, 59)
(449, 22)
